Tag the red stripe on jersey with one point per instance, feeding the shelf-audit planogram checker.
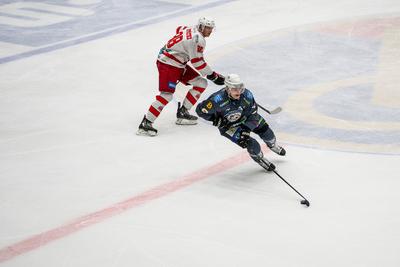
(197, 59)
(162, 100)
(199, 89)
(189, 34)
(201, 67)
(154, 111)
(191, 98)
(180, 28)
(172, 57)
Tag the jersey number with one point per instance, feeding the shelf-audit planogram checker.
(178, 37)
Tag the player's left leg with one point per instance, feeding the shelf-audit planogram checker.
(268, 136)
(168, 78)
(257, 124)
(241, 137)
(190, 77)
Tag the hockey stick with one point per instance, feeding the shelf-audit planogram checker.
(268, 166)
(274, 111)
(303, 202)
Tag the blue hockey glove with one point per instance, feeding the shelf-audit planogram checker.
(217, 121)
(244, 139)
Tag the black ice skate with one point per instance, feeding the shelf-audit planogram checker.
(268, 166)
(278, 150)
(146, 128)
(183, 116)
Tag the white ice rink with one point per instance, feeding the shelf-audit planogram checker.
(79, 188)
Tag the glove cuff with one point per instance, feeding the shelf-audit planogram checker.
(213, 76)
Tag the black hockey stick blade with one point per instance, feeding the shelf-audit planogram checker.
(305, 202)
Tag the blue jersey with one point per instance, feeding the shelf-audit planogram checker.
(240, 112)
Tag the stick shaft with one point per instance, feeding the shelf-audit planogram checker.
(289, 185)
(266, 110)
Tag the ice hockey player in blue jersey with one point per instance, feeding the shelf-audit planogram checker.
(234, 111)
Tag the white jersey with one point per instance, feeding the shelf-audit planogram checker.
(187, 45)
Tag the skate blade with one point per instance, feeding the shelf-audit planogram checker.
(185, 122)
(145, 133)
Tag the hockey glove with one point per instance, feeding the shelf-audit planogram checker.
(217, 121)
(244, 139)
(217, 78)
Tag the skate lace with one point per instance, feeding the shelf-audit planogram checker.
(146, 124)
(184, 113)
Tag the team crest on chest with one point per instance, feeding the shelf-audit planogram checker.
(234, 115)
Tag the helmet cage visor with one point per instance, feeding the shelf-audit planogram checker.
(205, 22)
(235, 87)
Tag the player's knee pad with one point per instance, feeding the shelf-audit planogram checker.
(167, 96)
(269, 137)
(199, 82)
(261, 129)
(253, 147)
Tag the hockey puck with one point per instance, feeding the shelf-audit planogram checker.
(305, 202)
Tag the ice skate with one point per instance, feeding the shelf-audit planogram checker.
(146, 128)
(183, 116)
(278, 150)
(268, 166)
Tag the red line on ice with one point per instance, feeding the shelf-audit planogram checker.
(44, 238)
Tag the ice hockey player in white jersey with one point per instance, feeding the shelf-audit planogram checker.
(186, 46)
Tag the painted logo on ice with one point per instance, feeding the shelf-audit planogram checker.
(337, 82)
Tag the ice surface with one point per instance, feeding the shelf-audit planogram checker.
(79, 188)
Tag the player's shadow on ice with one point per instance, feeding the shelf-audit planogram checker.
(254, 179)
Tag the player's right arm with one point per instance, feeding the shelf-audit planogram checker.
(195, 47)
(206, 109)
(210, 111)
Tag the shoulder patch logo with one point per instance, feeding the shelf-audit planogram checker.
(200, 49)
(209, 105)
(217, 98)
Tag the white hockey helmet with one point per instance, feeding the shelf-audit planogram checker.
(233, 81)
(205, 22)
